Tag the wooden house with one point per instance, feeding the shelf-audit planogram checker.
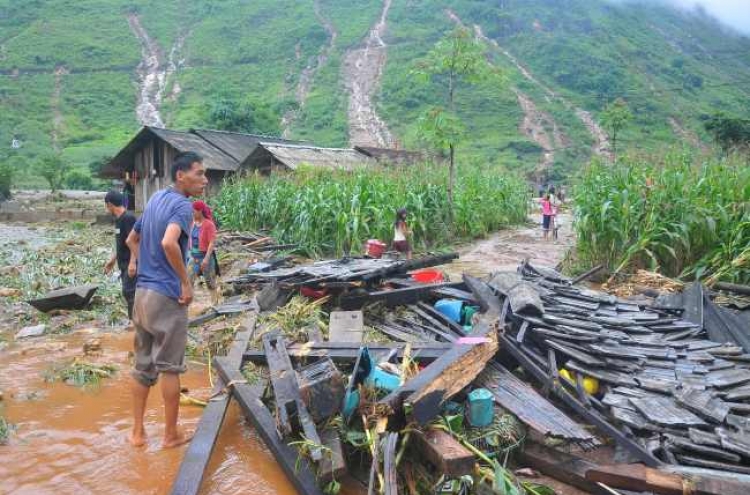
(146, 160)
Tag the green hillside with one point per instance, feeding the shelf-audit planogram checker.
(69, 71)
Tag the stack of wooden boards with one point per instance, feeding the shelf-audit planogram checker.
(685, 399)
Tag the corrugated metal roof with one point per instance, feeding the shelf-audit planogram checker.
(295, 155)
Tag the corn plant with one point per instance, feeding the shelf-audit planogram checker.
(677, 215)
(335, 212)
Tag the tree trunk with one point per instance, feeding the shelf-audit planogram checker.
(451, 146)
(451, 180)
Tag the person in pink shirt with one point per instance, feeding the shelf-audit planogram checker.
(548, 212)
(202, 257)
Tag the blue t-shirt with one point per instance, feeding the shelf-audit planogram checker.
(154, 271)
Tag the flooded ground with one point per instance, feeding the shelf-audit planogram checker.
(71, 440)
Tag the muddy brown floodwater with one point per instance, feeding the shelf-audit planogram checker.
(74, 441)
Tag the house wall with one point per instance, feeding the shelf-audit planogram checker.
(152, 162)
(154, 172)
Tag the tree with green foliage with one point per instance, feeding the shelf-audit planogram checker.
(248, 116)
(731, 133)
(96, 166)
(80, 180)
(54, 170)
(614, 118)
(456, 60)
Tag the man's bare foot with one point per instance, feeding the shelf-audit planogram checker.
(181, 438)
(137, 439)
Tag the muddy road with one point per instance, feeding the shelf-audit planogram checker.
(504, 250)
(65, 439)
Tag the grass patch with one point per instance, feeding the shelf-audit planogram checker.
(80, 373)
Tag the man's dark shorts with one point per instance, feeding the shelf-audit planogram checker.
(160, 336)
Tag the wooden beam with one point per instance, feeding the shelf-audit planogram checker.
(561, 466)
(444, 378)
(444, 452)
(291, 411)
(390, 475)
(194, 463)
(395, 297)
(333, 465)
(297, 469)
(637, 477)
(347, 352)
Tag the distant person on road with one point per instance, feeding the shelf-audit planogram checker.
(159, 243)
(124, 221)
(401, 234)
(202, 258)
(555, 203)
(547, 214)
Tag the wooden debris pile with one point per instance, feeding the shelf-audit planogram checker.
(400, 394)
(673, 395)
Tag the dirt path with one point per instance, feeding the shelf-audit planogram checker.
(504, 250)
(363, 68)
(308, 73)
(154, 73)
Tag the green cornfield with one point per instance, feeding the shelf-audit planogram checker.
(679, 215)
(327, 212)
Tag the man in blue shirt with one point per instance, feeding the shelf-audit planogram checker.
(158, 242)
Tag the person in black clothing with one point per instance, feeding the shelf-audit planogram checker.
(124, 221)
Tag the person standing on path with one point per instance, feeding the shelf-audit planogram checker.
(547, 213)
(124, 222)
(158, 242)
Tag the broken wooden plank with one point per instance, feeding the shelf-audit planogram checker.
(343, 352)
(703, 403)
(333, 465)
(346, 326)
(562, 466)
(391, 298)
(664, 411)
(704, 438)
(194, 462)
(524, 299)
(444, 452)
(728, 378)
(296, 468)
(457, 329)
(587, 274)
(390, 475)
(445, 377)
(291, 412)
(67, 298)
(723, 466)
(690, 448)
(489, 302)
(639, 478)
(529, 406)
(581, 356)
(589, 414)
